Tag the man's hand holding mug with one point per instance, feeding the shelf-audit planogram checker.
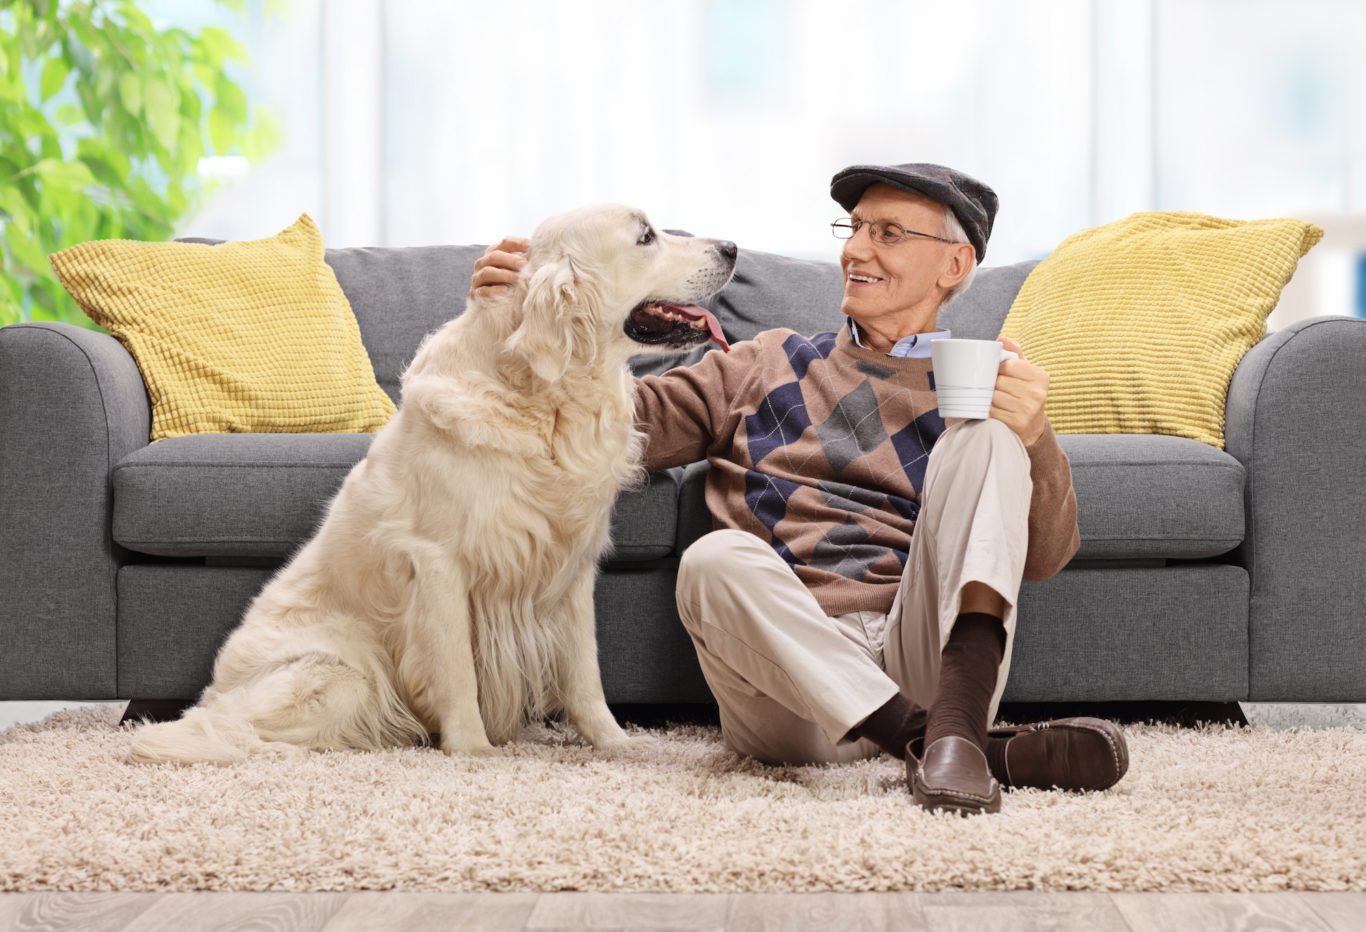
(964, 384)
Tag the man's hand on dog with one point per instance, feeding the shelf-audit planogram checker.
(1018, 401)
(497, 270)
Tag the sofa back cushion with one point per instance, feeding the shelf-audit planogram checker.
(774, 291)
(400, 294)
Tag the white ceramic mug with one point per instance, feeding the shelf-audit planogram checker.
(965, 375)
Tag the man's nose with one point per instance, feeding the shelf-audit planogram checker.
(858, 247)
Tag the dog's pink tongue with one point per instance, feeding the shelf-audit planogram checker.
(713, 325)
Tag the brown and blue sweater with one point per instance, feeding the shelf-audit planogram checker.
(818, 446)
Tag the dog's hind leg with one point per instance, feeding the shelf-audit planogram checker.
(321, 702)
(436, 664)
(202, 734)
(579, 681)
(313, 701)
(277, 711)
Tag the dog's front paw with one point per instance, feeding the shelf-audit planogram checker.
(473, 748)
(630, 746)
(283, 750)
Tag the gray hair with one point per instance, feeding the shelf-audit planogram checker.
(954, 233)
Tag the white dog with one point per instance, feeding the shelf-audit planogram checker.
(450, 586)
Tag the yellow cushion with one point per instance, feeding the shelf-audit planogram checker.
(1141, 322)
(252, 336)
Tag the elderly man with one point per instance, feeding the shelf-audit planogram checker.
(860, 592)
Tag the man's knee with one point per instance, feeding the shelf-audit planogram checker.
(715, 551)
(978, 433)
(709, 562)
(979, 443)
(973, 447)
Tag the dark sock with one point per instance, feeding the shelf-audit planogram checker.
(967, 677)
(996, 758)
(894, 723)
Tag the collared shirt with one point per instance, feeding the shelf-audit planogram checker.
(915, 346)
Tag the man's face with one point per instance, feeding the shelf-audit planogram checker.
(907, 274)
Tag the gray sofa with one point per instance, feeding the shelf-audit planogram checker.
(1203, 574)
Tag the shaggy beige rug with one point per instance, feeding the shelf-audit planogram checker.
(1214, 809)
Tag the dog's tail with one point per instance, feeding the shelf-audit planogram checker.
(202, 734)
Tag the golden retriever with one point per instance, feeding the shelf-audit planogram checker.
(449, 589)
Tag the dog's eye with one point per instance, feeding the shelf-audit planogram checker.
(647, 237)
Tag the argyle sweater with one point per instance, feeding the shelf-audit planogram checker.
(819, 446)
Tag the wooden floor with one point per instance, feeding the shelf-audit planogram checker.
(199, 912)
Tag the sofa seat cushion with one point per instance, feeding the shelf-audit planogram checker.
(1139, 496)
(1150, 495)
(263, 495)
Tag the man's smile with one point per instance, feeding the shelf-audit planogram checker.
(861, 280)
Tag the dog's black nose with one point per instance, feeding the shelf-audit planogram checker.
(727, 249)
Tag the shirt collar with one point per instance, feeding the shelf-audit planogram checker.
(915, 346)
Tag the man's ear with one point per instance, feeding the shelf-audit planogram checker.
(958, 267)
(545, 335)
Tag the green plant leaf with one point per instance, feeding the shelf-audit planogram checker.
(161, 104)
(54, 75)
(221, 46)
(64, 174)
(23, 247)
(130, 92)
(79, 56)
(69, 115)
(135, 18)
(135, 102)
(10, 312)
(265, 137)
(92, 150)
(17, 209)
(231, 99)
(11, 81)
(222, 130)
(104, 83)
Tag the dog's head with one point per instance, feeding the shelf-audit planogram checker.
(603, 284)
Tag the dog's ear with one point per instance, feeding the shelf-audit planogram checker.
(545, 335)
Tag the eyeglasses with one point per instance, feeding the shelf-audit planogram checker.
(883, 232)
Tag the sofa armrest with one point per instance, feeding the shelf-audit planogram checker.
(1296, 420)
(72, 404)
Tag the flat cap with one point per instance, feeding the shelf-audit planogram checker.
(973, 203)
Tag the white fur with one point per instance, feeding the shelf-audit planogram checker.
(450, 586)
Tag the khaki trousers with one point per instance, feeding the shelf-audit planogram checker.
(790, 680)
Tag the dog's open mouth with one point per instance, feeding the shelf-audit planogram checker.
(656, 321)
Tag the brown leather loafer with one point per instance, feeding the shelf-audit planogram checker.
(954, 776)
(1077, 754)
